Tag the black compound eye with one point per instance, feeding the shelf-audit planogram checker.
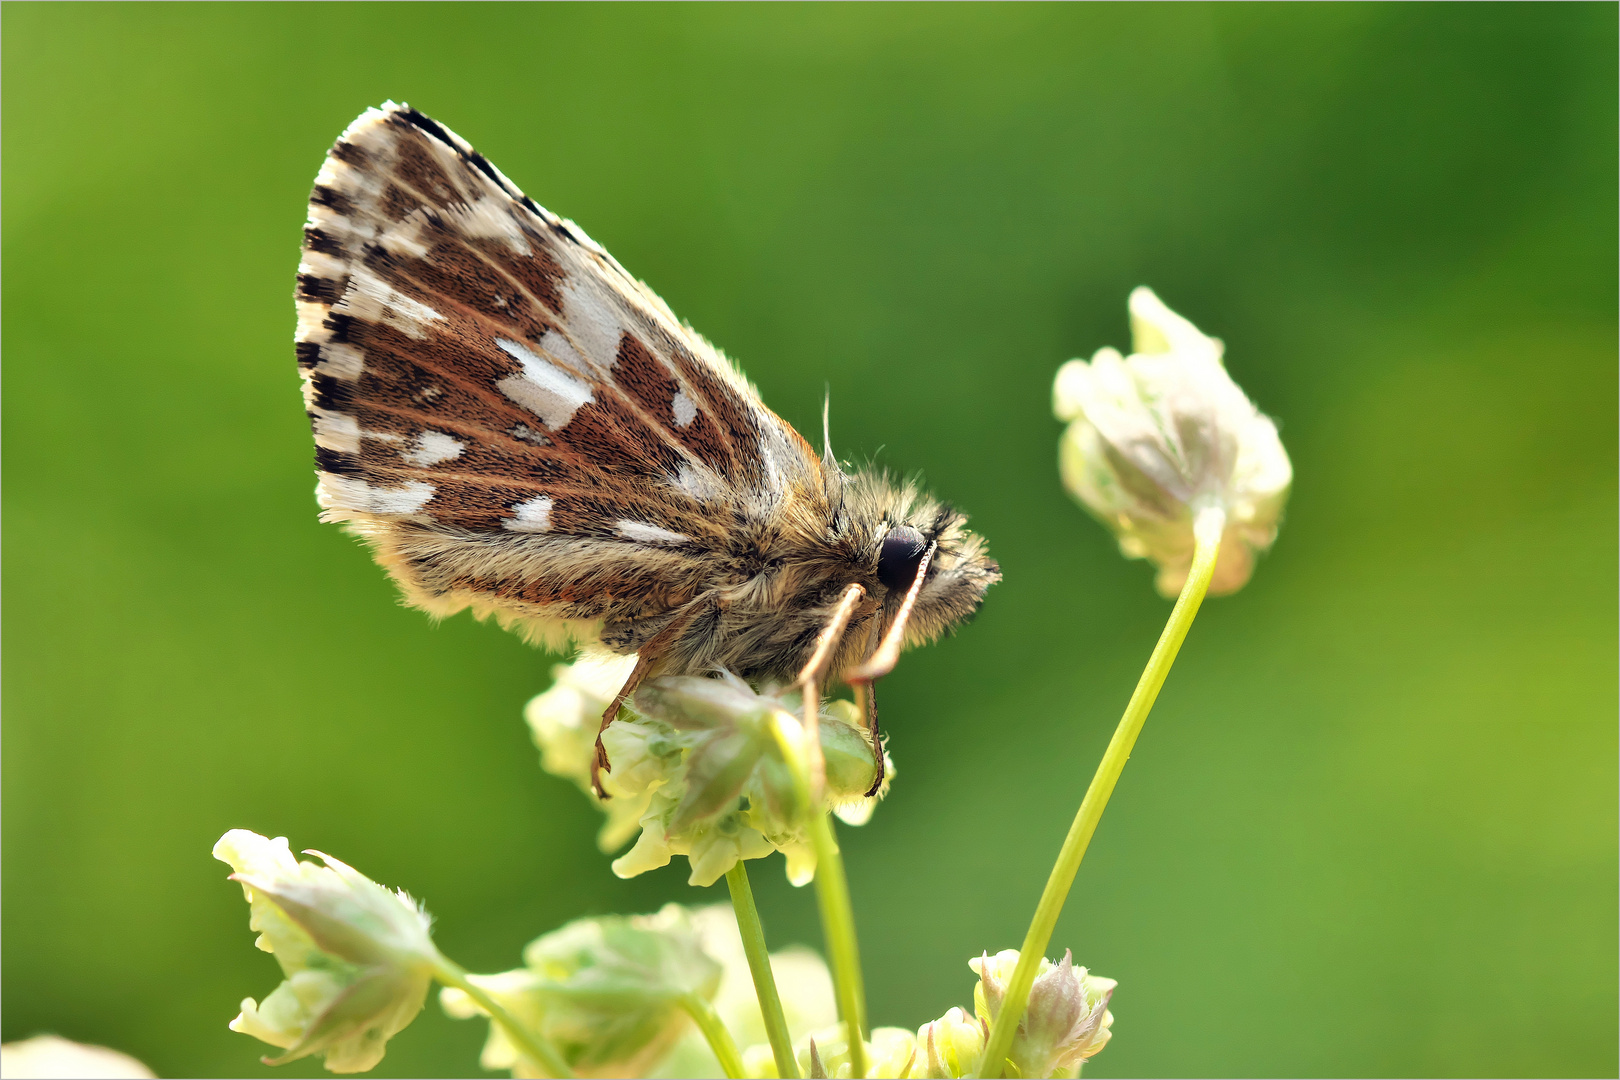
(902, 551)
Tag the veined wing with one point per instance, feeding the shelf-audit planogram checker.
(509, 417)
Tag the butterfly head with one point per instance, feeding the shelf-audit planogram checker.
(894, 526)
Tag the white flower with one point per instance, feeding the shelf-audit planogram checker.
(1158, 436)
(698, 769)
(357, 957)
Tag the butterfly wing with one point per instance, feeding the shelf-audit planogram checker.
(511, 420)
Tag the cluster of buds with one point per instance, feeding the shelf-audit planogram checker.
(357, 957)
(1065, 1023)
(609, 993)
(613, 995)
(1163, 435)
(698, 767)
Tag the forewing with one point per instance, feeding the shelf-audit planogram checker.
(511, 419)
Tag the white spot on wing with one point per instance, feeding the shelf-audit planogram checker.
(544, 389)
(643, 533)
(341, 360)
(532, 516)
(488, 218)
(527, 434)
(701, 484)
(432, 447)
(593, 321)
(311, 320)
(767, 457)
(322, 265)
(554, 343)
(337, 431)
(371, 298)
(405, 238)
(349, 494)
(685, 408)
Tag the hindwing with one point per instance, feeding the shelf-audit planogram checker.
(507, 416)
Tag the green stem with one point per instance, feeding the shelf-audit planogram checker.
(832, 896)
(838, 929)
(530, 1043)
(720, 1040)
(759, 965)
(1207, 535)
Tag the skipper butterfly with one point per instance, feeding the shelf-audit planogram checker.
(516, 425)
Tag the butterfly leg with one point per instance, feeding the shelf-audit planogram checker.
(810, 678)
(864, 677)
(866, 702)
(648, 655)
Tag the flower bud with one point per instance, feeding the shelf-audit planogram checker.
(697, 767)
(1066, 1021)
(357, 957)
(950, 1046)
(1163, 434)
(606, 992)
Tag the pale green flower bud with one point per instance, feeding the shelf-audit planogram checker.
(1160, 435)
(52, 1055)
(1066, 1021)
(890, 1052)
(357, 957)
(950, 1046)
(701, 761)
(606, 992)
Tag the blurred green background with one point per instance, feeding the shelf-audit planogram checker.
(1371, 826)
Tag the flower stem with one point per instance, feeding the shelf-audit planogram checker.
(832, 897)
(531, 1044)
(720, 1040)
(1207, 530)
(759, 965)
(838, 928)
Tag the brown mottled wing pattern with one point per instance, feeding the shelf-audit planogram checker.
(512, 421)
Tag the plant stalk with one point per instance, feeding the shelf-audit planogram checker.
(832, 897)
(531, 1044)
(759, 965)
(714, 1030)
(1207, 528)
(838, 928)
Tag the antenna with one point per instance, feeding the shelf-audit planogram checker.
(826, 427)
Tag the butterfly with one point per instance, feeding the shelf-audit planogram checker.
(518, 426)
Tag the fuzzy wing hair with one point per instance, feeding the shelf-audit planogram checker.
(511, 420)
